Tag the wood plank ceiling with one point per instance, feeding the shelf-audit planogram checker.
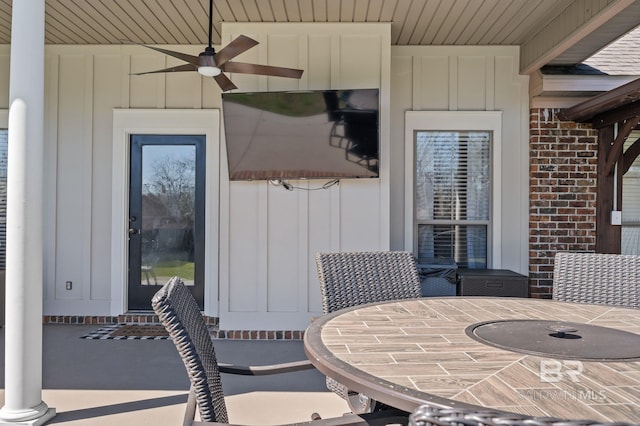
(413, 22)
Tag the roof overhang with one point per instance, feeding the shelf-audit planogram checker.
(564, 91)
(623, 98)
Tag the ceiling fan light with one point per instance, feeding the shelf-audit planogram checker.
(208, 71)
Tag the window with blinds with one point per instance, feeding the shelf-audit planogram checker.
(3, 198)
(630, 243)
(453, 195)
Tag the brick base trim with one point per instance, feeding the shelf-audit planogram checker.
(258, 334)
(153, 319)
(73, 319)
(131, 318)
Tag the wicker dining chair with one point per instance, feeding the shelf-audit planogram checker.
(431, 415)
(180, 315)
(354, 278)
(607, 279)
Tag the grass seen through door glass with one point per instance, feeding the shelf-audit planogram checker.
(184, 270)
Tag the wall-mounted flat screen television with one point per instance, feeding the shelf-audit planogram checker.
(325, 134)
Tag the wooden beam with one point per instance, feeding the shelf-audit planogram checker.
(617, 115)
(616, 149)
(608, 237)
(630, 155)
(616, 98)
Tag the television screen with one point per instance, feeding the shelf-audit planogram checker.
(328, 134)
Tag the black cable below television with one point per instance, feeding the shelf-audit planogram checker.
(318, 134)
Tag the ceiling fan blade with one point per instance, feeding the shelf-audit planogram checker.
(239, 45)
(179, 55)
(224, 82)
(185, 67)
(243, 68)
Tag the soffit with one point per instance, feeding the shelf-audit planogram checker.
(413, 22)
(612, 29)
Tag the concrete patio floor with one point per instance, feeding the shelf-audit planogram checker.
(143, 382)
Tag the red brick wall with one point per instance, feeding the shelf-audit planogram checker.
(562, 206)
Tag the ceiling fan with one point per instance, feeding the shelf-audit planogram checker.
(212, 64)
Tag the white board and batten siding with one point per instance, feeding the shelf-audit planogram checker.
(262, 272)
(83, 87)
(461, 79)
(269, 236)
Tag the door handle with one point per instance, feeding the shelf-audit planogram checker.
(133, 231)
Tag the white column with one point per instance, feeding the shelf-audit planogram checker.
(24, 284)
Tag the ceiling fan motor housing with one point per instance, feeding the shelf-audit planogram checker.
(207, 58)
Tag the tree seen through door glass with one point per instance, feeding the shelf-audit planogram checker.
(168, 207)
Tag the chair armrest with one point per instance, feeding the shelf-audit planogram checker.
(265, 370)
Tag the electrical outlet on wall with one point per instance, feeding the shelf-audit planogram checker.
(68, 285)
(616, 217)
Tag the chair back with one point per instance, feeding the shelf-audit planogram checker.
(355, 278)
(180, 315)
(606, 279)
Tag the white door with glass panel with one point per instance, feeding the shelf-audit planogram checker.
(166, 215)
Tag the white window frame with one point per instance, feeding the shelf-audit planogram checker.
(456, 121)
(630, 225)
(171, 122)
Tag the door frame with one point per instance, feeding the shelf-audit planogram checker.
(171, 122)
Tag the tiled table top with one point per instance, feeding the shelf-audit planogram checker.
(410, 352)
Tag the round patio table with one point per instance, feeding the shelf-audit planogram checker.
(529, 356)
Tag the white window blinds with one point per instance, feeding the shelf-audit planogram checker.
(630, 243)
(453, 200)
